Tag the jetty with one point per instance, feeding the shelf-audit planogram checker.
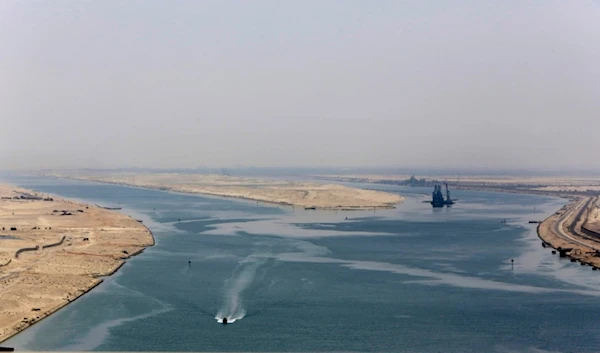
(109, 208)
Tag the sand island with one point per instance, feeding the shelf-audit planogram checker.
(54, 250)
(302, 194)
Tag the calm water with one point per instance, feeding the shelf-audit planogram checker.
(413, 279)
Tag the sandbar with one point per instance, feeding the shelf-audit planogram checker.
(302, 194)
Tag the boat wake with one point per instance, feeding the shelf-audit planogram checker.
(229, 321)
(243, 276)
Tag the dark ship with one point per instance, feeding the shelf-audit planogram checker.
(437, 197)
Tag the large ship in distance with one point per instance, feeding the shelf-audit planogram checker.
(437, 197)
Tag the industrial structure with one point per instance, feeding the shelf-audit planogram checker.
(437, 197)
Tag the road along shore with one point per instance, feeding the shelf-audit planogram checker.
(573, 231)
(54, 250)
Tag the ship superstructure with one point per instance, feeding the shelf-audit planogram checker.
(437, 197)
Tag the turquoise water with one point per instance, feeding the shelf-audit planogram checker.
(412, 279)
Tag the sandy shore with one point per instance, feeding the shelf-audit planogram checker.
(70, 251)
(563, 230)
(593, 222)
(321, 196)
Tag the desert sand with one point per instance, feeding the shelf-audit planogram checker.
(558, 185)
(72, 244)
(593, 221)
(321, 196)
(570, 188)
(541, 182)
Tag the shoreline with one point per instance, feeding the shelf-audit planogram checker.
(168, 188)
(100, 277)
(575, 241)
(48, 313)
(38, 265)
(576, 246)
(571, 201)
(565, 231)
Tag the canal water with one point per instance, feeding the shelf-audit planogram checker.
(411, 279)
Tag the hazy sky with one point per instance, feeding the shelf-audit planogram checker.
(490, 84)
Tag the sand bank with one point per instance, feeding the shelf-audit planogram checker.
(67, 245)
(593, 221)
(563, 231)
(321, 196)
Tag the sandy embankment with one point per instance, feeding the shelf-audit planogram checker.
(584, 249)
(593, 222)
(322, 196)
(37, 283)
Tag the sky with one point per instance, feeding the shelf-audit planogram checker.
(505, 84)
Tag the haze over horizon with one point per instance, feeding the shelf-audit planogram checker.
(465, 84)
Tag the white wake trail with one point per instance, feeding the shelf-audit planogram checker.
(233, 307)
